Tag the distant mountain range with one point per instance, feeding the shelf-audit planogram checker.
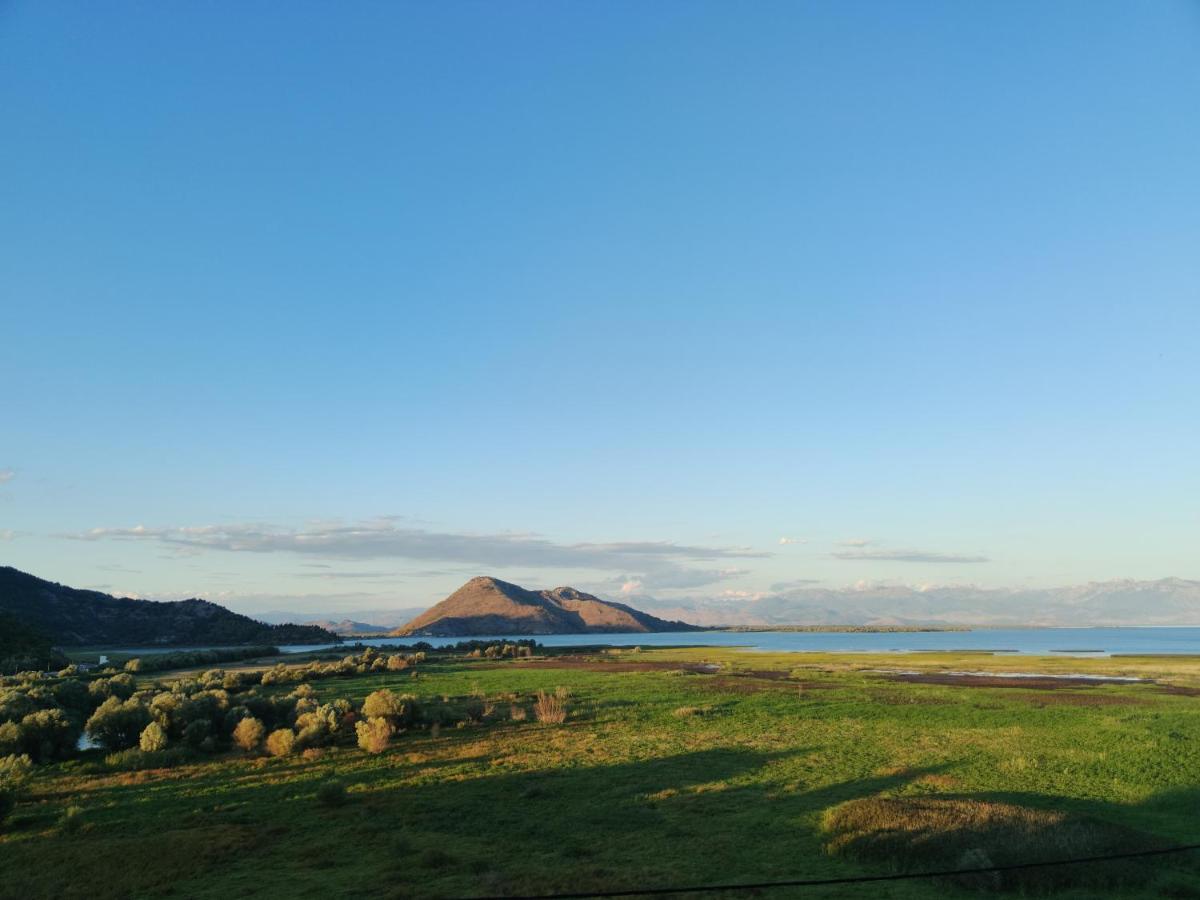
(490, 606)
(349, 626)
(1167, 601)
(359, 620)
(71, 617)
(39, 611)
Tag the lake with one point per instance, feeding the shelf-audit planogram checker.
(1056, 641)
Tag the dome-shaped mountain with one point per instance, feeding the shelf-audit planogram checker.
(487, 605)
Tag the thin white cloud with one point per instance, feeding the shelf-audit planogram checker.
(784, 541)
(793, 584)
(668, 578)
(337, 576)
(384, 539)
(854, 542)
(914, 556)
(7, 534)
(7, 475)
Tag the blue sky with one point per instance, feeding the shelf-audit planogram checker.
(331, 311)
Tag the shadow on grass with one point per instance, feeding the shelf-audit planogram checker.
(693, 818)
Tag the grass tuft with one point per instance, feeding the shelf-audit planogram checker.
(551, 708)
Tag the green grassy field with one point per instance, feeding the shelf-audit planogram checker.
(661, 775)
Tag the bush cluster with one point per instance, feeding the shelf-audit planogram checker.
(43, 717)
(499, 651)
(182, 659)
(369, 660)
(149, 723)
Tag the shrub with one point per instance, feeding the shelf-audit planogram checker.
(15, 705)
(235, 681)
(396, 663)
(165, 708)
(281, 741)
(436, 858)
(517, 713)
(14, 770)
(133, 665)
(324, 723)
(153, 738)
(383, 704)
(71, 820)
(8, 801)
(135, 759)
(122, 685)
(72, 694)
(551, 708)
(374, 734)
(302, 691)
(10, 738)
(248, 734)
(332, 793)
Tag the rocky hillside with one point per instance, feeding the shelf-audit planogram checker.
(490, 606)
(69, 617)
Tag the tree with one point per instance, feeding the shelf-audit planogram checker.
(374, 734)
(248, 734)
(118, 725)
(153, 738)
(121, 686)
(48, 734)
(196, 733)
(281, 741)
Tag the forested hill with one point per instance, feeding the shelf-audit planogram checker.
(23, 647)
(77, 617)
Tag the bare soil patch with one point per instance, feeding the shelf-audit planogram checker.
(592, 664)
(1036, 683)
(1177, 689)
(743, 684)
(1075, 698)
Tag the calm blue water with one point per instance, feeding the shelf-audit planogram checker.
(1071, 641)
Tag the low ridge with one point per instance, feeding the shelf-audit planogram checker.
(69, 616)
(487, 605)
